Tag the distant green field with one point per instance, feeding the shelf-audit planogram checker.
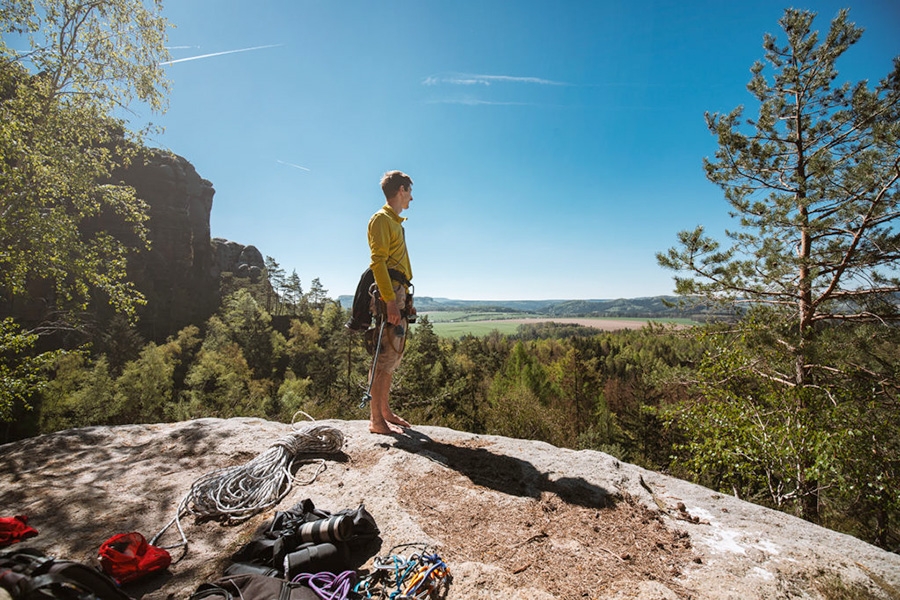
(478, 329)
(455, 324)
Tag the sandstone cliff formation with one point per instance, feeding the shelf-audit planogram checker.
(176, 274)
(180, 273)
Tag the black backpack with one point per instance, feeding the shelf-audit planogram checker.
(29, 574)
(360, 316)
(251, 586)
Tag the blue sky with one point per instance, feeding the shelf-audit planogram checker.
(555, 146)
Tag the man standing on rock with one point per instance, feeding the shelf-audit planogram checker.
(392, 271)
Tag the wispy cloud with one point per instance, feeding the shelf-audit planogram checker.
(477, 102)
(486, 80)
(442, 84)
(180, 60)
(281, 162)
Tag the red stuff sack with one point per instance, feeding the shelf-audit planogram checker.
(127, 556)
(15, 529)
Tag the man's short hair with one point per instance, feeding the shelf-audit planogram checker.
(392, 181)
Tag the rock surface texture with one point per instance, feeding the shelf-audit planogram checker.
(512, 518)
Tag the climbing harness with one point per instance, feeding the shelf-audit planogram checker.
(422, 575)
(234, 494)
(360, 310)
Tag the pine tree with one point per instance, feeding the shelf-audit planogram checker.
(814, 181)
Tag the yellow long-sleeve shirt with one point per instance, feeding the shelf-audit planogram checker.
(387, 243)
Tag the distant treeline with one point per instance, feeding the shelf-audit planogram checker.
(656, 307)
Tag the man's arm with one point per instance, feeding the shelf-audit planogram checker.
(393, 312)
(379, 245)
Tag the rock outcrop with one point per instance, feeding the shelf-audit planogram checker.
(242, 261)
(176, 274)
(513, 518)
(180, 274)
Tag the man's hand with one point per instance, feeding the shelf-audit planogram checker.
(393, 312)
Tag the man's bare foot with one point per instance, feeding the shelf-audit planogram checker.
(386, 429)
(392, 418)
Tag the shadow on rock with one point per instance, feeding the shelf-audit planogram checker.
(503, 473)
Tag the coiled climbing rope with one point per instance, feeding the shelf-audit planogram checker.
(234, 494)
(328, 586)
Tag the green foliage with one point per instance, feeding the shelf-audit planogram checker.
(765, 447)
(80, 395)
(218, 384)
(317, 294)
(472, 362)
(830, 447)
(302, 348)
(58, 148)
(23, 372)
(146, 387)
(119, 341)
(88, 391)
(426, 387)
(321, 353)
(231, 374)
(284, 294)
(549, 329)
(865, 449)
(107, 52)
(293, 397)
(519, 400)
(247, 324)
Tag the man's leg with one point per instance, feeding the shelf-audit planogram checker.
(391, 417)
(378, 405)
(382, 419)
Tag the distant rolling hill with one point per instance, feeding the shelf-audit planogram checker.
(651, 307)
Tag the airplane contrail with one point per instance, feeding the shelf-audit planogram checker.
(291, 165)
(463, 79)
(178, 60)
